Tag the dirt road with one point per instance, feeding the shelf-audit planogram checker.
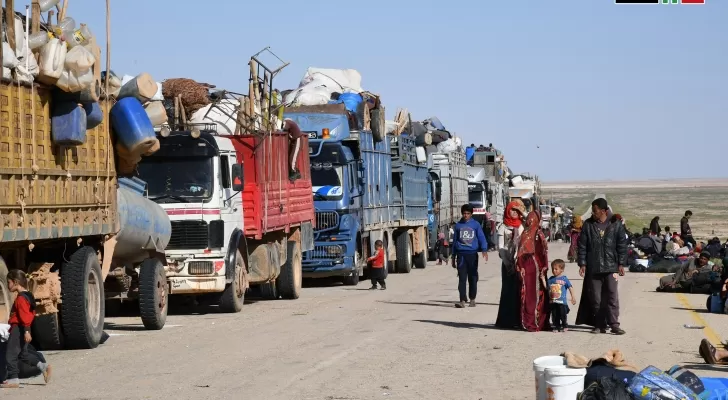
(408, 342)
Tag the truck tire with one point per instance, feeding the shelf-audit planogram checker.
(431, 255)
(404, 253)
(46, 332)
(233, 297)
(353, 279)
(269, 291)
(153, 294)
(82, 292)
(290, 281)
(378, 124)
(420, 260)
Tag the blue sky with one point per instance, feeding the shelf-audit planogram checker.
(567, 89)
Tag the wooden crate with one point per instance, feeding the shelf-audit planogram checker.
(49, 191)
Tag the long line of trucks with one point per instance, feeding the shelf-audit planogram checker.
(201, 212)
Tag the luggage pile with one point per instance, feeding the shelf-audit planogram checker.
(66, 59)
(321, 86)
(432, 137)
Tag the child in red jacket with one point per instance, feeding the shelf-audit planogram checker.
(21, 319)
(377, 269)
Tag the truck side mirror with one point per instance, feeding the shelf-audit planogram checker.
(438, 190)
(237, 173)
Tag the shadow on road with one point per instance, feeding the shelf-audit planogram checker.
(127, 327)
(466, 325)
(704, 367)
(452, 303)
(449, 305)
(697, 310)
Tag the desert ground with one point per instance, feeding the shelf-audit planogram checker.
(640, 201)
(337, 343)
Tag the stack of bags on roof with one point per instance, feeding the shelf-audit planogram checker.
(432, 136)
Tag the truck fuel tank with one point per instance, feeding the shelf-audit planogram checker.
(144, 225)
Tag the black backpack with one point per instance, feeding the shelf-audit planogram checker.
(606, 388)
(31, 300)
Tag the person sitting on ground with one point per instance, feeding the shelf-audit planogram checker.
(712, 355)
(21, 319)
(682, 280)
(377, 269)
(714, 247)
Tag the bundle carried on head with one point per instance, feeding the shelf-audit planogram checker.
(194, 95)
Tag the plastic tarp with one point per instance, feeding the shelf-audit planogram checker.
(318, 84)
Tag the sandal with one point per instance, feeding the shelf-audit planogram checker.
(707, 351)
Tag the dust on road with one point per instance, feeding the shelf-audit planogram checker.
(336, 342)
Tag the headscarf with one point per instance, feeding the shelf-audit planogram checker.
(578, 222)
(530, 235)
(508, 220)
(441, 235)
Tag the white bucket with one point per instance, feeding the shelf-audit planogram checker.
(539, 366)
(564, 383)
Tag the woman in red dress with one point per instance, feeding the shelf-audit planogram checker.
(531, 265)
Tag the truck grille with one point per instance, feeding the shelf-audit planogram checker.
(200, 268)
(326, 220)
(188, 235)
(326, 252)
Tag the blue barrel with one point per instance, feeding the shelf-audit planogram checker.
(144, 225)
(131, 124)
(94, 115)
(68, 124)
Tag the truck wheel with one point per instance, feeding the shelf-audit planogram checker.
(233, 297)
(421, 260)
(290, 281)
(431, 255)
(353, 279)
(153, 294)
(82, 292)
(404, 253)
(46, 331)
(269, 291)
(378, 124)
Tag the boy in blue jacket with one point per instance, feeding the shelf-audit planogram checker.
(468, 240)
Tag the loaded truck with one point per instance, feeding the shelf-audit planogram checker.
(67, 221)
(367, 186)
(487, 191)
(448, 192)
(237, 219)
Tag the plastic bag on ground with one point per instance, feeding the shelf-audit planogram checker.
(605, 389)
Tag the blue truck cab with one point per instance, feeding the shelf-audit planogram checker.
(364, 190)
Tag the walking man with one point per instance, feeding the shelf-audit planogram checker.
(602, 252)
(685, 232)
(468, 241)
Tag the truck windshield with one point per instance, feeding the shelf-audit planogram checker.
(326, 174)
(475, 198)
(176, 177)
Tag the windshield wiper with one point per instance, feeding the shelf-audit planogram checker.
(170, 196)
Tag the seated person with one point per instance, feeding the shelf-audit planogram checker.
(682, 280)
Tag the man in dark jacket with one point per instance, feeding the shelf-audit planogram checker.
(655, 226)
(602, 252)
(685, 232)
(468, 240)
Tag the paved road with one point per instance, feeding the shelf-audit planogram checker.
(408, 342)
